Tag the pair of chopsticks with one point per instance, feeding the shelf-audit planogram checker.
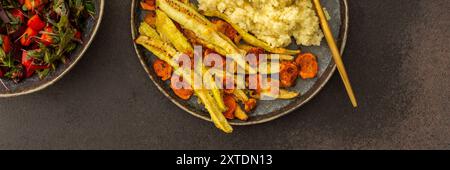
(335, 52)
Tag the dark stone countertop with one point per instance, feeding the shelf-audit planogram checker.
(397, 57)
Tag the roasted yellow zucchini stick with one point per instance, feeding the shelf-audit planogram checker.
(240, 114)
(167, 28)
(217, 117)
(240, 95)
(161, 49)
(215, 91)
(283, 94)
(196, 40)
(269, 56)
(147, 30)
(207, 75)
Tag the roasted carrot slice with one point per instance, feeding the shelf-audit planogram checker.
(231, 104)
(162, 69)
(149, 5)
(150, 19)
(288, 74)
(256, 51)
(308, 65)
(181, 88)
(249, 105)
(227, 29)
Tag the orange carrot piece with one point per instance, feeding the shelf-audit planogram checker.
(150, 19)
(288, 74)
(180, 88)
(227, 29)
(250, 105)
(308, 64)
(162, 69)
(148, 5)
(231, 104)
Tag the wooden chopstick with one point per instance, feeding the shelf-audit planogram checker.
(335, 52)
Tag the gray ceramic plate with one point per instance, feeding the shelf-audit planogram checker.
(34, 84)
(266, 110)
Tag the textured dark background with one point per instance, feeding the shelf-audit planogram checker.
(398, 59)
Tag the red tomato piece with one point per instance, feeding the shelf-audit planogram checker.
(27, 37)
(36, 23)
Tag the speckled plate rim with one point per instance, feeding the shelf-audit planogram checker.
(332, 69)
(72, 64)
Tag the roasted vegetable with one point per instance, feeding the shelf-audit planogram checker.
(211, 83)
(162, 69)
(196, 40)
(288, 74)
(240, 114)
(250, 105)
(217, 117)
(215, 90)
(167, 28)
(257, 51)
(161, 49)
(247, 37)
(150, 18)
(281, 94)
(227, 30)
(146, 30)
(240, 95)
(181, 88)
(148, 5)
(190, 19)
(308, 65)
(231, 104)
(286, 94)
